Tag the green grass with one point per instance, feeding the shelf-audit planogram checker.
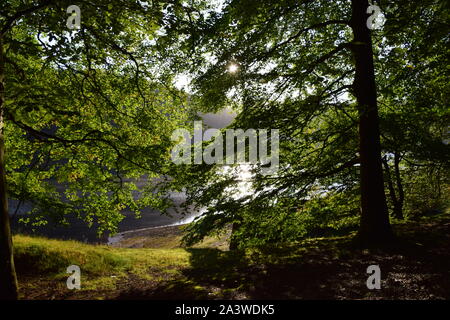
(199, 272)
(101, 266)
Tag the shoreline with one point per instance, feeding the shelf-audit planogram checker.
(117, 238)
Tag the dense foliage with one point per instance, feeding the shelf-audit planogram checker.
(295, 74)
(88, 111)
(87, 114)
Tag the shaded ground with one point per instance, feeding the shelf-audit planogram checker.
(328, 268)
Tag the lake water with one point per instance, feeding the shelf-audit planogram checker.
(78, 230)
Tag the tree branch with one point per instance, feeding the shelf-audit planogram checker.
(20, 14)
(299, 33)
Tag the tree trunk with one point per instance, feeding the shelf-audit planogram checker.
(390, 183)
(398, 206)
(397, 202)
(375, 228)
(234, 245)
(8, 279)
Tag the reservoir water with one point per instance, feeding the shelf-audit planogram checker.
(78, 230)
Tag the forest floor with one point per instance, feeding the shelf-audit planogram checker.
(153, 266)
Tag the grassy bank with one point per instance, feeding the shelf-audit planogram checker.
(41, 266)
(321, 268)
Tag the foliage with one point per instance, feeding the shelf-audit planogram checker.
(295, 73)
(89, 112)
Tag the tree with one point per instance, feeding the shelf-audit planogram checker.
(412, 89)
(8, 278)
(85, 114)
(375, 226)
(307, 68)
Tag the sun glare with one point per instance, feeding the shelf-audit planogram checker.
(233, 68)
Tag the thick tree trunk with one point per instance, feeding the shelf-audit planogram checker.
(375, 228)
(8, 279)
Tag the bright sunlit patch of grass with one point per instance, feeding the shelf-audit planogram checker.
(101, 266)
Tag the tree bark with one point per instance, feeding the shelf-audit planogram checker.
(8, 278)
(374, 228)
(398, 206)
(234, 245)
(397, 201)
(389, 181)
